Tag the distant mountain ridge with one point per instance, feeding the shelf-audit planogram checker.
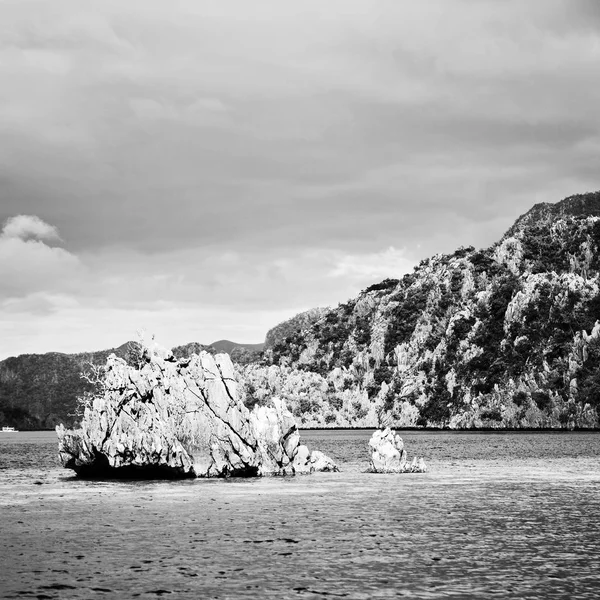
(239, 353)
(38, 391)
(228, 347)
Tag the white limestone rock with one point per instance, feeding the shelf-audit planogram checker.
(301, 462)
(181, 418)
(321, 462)
(389, 456)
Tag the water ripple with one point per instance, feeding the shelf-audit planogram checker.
(498, 516)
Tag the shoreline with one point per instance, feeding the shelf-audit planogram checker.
(418, 429)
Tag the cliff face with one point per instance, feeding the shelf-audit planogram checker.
(502, 337)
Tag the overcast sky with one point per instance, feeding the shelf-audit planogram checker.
(204, 170)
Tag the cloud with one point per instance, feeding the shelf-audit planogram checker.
(51, 299)
(253, 159)
(28, 264)
(25, 227)
(370, 268)
(238, 113)
(38, 304)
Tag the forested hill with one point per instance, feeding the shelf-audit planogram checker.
(501, 337)
(38, 391)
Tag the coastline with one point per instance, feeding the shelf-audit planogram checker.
(420, 429)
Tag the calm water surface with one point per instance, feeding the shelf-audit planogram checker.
(499, 515)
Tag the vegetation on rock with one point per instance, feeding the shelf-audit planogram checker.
(502, 337)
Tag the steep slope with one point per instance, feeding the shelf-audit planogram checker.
(298, 323)
(579, 205)
(502, 337)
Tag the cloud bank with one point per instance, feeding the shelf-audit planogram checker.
(228, 164)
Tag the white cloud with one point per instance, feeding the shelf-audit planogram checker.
(54, 63)
(151, 110)
(38, 303)
(51, 299)
(25, 227)
(28, 264)
(371, 268)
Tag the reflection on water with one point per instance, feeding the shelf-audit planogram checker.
(507, 515)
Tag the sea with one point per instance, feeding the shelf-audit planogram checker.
(498, 515)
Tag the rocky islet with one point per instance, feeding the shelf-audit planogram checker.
(389, 456)
(182, 418)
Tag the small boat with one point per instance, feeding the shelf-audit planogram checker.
(9, 430)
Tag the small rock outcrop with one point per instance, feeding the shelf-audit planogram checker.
(181, 418)
(389, 456)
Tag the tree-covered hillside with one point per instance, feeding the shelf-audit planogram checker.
(38, 391)
(300, 322)
(502, 337)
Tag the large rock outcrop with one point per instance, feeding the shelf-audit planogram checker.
(389, 456)
(181, 418)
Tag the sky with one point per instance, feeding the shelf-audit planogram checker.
(202, 170)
